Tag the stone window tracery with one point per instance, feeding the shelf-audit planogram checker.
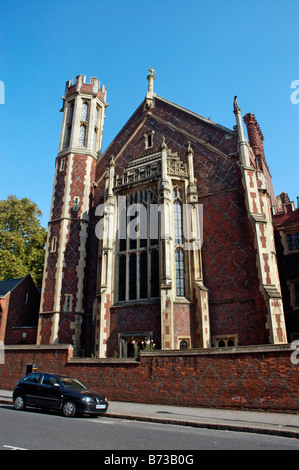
(179, 240)
(138, 255)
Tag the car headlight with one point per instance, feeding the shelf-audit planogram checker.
(87, 399)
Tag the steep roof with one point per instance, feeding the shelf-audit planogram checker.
(9, 285)
(197, 116)
(174, 117)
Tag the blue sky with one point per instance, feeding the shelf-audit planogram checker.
(203, 53)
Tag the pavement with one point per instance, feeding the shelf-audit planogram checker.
(277, 424)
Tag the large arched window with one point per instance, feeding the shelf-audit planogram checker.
(138, 265)
(179, 241)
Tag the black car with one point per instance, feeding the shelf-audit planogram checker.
(57, 392)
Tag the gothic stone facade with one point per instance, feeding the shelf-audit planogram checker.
(108, 292)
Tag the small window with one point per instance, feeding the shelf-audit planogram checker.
(68, 139)
(68, 301)
(84, 112)
(183, 344)
(62, 164)
(82, 135)
(76, 204)
(26, 297)
(225, 341)
(293, 241)
(71, 113)
(149, 140)
(54, 244)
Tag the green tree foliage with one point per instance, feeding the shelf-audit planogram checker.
(22, 240)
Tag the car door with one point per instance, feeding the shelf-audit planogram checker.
(48, 394)
(29, 387)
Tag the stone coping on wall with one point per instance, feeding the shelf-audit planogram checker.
(37, 347)
(104, 360)
(264, 348)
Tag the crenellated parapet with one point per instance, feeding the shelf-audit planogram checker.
(79, 85)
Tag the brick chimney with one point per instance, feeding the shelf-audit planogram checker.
(255, 137)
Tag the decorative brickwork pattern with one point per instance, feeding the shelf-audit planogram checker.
(260, 378)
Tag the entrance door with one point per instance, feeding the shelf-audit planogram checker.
(132, 343)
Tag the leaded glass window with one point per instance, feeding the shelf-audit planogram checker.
(293, 241)
(179, 240)
(143, 275)
(180, 272)
(132, 276)
(155, 291)
(71, 113)
(178, 222)
(84, 112)
(138, 253)
(82, 134)
(177, 215)
(122, 278)
(68, 138)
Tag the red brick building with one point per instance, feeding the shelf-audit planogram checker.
(286, 221)
(19, 308)
(125, 263)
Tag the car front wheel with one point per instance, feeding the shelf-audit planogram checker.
(68, 409)
(19, 403)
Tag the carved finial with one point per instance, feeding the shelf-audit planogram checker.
(151, 78)
(189, 150)
(236, 106)
(163, 146)
(151, 71)
(112, 162)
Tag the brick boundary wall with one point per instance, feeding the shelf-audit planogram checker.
(256, 378)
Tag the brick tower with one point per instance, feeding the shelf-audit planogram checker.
(62, 299)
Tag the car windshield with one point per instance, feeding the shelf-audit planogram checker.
(71, 383)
